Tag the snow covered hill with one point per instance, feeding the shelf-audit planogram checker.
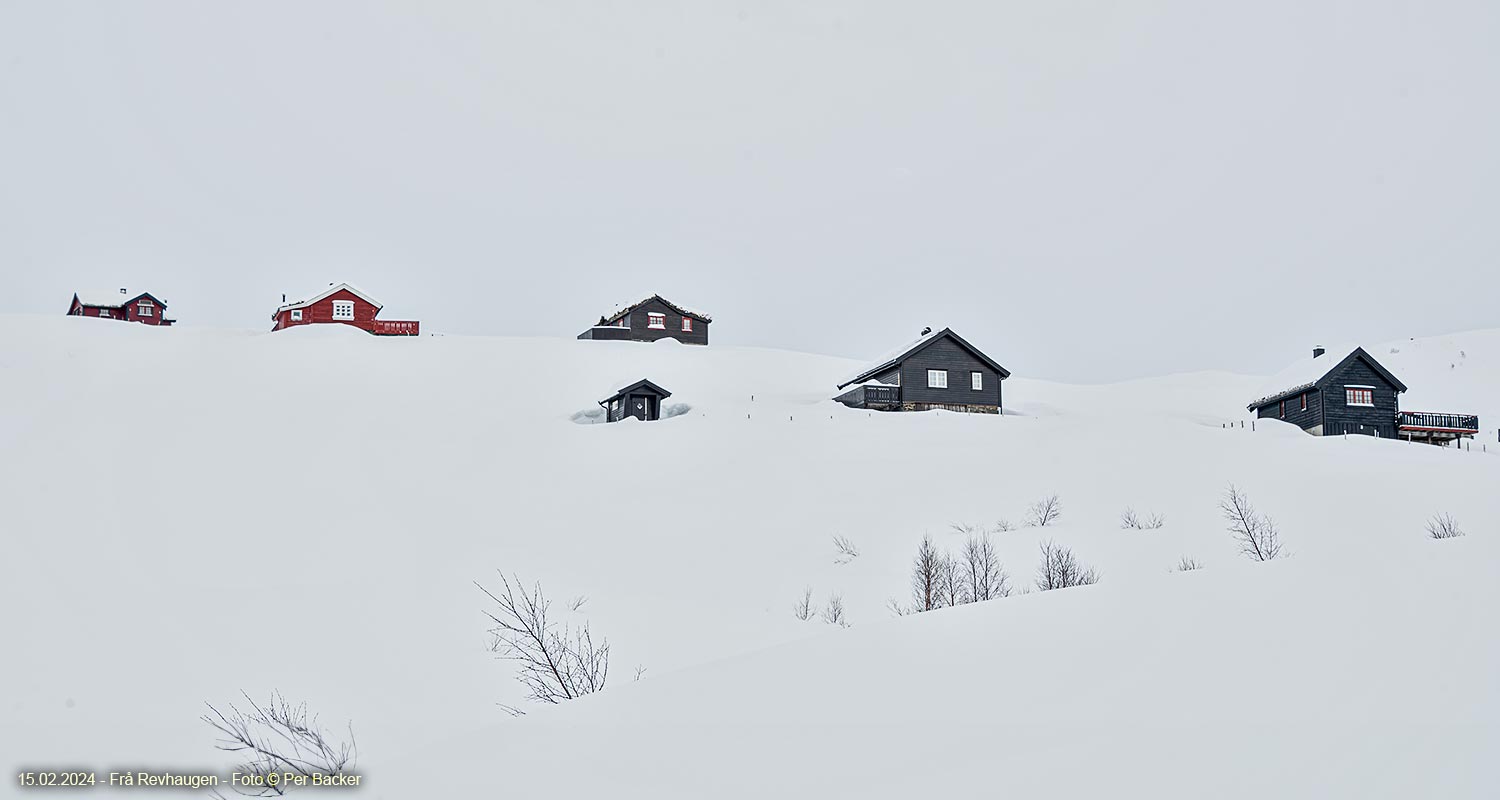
(194, 513)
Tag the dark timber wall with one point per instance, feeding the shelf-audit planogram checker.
(946, 354)
(1340, 418)
(640, 320)
(1306, 420)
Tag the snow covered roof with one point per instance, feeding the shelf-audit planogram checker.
(332, 289)
(687, 312)
(893, 357)
(1305, 373)
(113, 298)
(640, 384)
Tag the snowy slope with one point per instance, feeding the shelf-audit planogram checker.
(198, 512)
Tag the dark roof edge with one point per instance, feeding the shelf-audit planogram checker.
(923, 345)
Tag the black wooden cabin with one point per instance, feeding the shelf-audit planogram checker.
(641, 400)
(651, 319)
(1331, 397)
(938, 370)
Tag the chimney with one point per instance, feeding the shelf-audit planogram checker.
(122, 290)
(1318, 350)
(283, 298)
(926, 331)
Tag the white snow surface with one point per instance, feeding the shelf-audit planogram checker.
(307, 512)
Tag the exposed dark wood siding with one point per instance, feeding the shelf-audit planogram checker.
(945, 354)
(1339, 417)
(640, 320)
(1306, 420)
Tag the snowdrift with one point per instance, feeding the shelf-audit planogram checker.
(194, 513)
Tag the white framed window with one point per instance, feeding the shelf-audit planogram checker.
(976, 381)
(937, 378)
(296, 315)
(687, 324)
(1359, 395)
(657, 321)
(143, 308)
(343, 309)
(103, 312)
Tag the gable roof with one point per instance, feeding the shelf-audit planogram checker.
(115, 299)
(911, 348)
(331, 290)
(1311, 372)
(640, 384)
(686, 312)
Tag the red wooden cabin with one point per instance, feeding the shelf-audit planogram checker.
(142, 307)
(343, 304)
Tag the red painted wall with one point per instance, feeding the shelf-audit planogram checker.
(364, 316)
(130, 313)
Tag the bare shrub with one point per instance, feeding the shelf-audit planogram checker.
(1187, 564)
(278, 738)
(1256, 533)
(1442, 526)
(1003, 525)
(804, 607)
(1044, 512)
(1060, 569)
(981, 572)
(1131, 521)
(926, 576)
(833, 612)
(844, 549)
(556, 663)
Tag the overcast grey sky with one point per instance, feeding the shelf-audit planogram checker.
(1088, 190)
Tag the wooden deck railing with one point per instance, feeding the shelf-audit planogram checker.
(1430, 421)
(396, 327)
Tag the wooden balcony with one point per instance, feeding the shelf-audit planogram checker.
(1429, 422)
(395, 327)
(871, 396)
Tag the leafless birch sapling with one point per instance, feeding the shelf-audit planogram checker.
(833, 612)
(555, 662)
(1442, 526)
(804, 607)
(1256, 533)
(983, 576)
(1129, 520)
(1186, 564)
(844, 550)
(926, 576)
(276, 738)
(1060, 569)
(1045, 511)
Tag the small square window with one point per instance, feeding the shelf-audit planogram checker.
(143, 310)
(343, 309)
(937, 378)
(103, 312)
(976, 381)
(296, 315)
(657, 321)
(687, 324)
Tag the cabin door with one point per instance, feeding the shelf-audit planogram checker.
(639, 406)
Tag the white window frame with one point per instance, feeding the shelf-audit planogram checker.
(143, 308)
(937, 378)
(687, 324)
(976, 381)
(655, 321)
(296, 315)
(1349, 392)
(347, 305)
(104, 312)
